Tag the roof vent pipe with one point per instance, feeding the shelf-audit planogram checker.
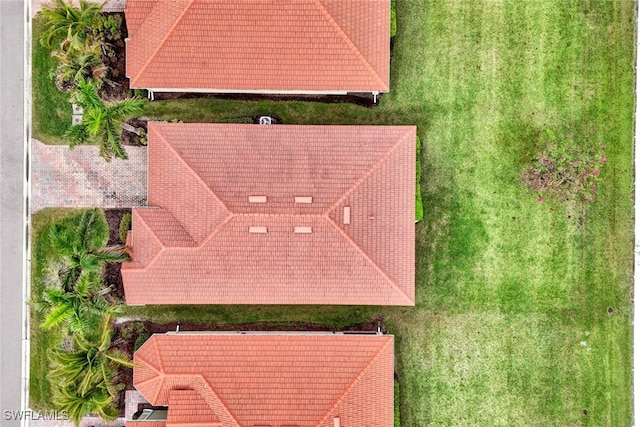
(336, 421)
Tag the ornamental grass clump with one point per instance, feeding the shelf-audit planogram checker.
(565, 171)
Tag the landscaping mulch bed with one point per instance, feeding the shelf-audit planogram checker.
(132, 138)
(112, 276)
(363, 100)
(116, 83)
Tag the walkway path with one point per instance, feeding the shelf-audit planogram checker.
(79, 177)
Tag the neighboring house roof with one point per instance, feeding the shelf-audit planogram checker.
(226, 380)
(233, 223)
(147, 424)
(257, 45)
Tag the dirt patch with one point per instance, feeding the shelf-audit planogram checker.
(111, 275)
(114, 216)
(137, 138)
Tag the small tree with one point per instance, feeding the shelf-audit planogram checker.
(74, 66)
(82, 249)
(565, 171)
(101, 120)
(84, 376)
(80, 311)
(74, 25)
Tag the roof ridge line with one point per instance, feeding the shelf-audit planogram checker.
(368, 258)
(211, 391)
(376, 165)
(235, 214)
(155, 344)
(155, 236)
(216, 230)
(161, 375)
(219, 399)
(356, 379)
(349, 42)
(279, 214)
(198, 177)
(147, 363)
(164, 40)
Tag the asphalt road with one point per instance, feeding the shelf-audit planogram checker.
(12, 205)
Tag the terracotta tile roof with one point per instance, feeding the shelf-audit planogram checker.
(208, 244)
(258, 45)
(273, 380)
(147, 424)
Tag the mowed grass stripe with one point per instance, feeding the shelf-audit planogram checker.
(508, 287)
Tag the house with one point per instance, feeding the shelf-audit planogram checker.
(267, 379)
(258, 46)
(252, 214)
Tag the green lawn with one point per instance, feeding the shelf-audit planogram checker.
(51, 109)
(42, 342)
(507, 287)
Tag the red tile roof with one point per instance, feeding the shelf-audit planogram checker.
(258, 45)
(272, 380)
(197, 246)
(146, 424)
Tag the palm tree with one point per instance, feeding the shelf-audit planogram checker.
(84, 375)
(75, 65)
(96, 401)
(75, 25)
(82, 248)
(80, 311)
(101, 120)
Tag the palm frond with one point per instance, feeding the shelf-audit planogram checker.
(126, 108)
(111, 254)
(86, 95)
(77, 134)
(57, 315)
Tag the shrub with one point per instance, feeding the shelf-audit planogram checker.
(394, 26)
(240, 120)
(142, 338)
(419, 208)
(108, 28)
(124, 227)
(565, 171)
(132, 329)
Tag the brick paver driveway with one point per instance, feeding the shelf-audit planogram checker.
(62, 177)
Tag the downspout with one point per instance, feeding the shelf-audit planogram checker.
(150, 94)
(375, 96)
